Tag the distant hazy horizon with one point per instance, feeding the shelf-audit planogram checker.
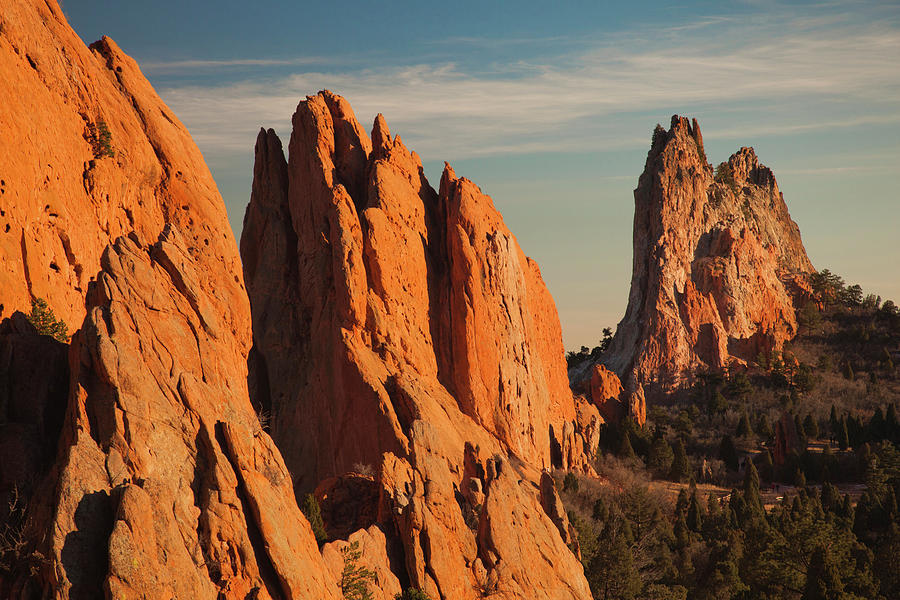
(550, 109)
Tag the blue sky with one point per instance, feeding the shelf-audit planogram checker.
(549, 107)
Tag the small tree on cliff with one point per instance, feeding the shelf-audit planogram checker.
(354, 577)
(45, 321)
(313, 512)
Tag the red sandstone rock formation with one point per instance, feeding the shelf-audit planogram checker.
(164, 484)
(718, 263)
(404, 329)
(612, 400)
(63, 197)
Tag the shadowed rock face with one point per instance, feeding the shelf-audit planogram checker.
(717, 265)
(396, 326)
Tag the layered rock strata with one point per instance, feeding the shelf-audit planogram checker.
(718, 265)
(401, 329)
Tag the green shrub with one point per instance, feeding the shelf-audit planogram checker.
(313, 514)
(724, 174)
(101, 139)
(45, 321)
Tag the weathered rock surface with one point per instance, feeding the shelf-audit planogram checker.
(162, 484)
(372, 546)
(612, 400)
(404, 329)
(718, 265)
(63, 198)
(166, 485)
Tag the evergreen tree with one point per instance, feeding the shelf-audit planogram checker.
(801, 431)
(892, 424)
(728, 453)
(743, 428)
(811, 427)
(680, 467)
(843, 435)
(45, 321)
(848, 371)
(799, 478)
(694, 516)
(766, 466)
(601, 510)
(625, 450)
(355, 578)
(822, 579)
(763, 428)
(752, 496)
(610, 571)
(313, 512)
(660, 455)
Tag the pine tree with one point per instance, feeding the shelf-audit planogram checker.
(801, 431)
(659, 458)
(848, 371)
(822, 579)
(625, 450)
(766, 466)
(799, 478)
(751, 488)
(843, 436)
(354, 577)
(313, 513)
(728, 453)
(811, 427)
(743, 428)
(45, 321)
(680, 467)
(694, 517)
(834, 423)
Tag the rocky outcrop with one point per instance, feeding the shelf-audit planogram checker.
(403, 329)
(88, 153)
(718, 263)
(166, 485)
(154, 476)
(612, 400)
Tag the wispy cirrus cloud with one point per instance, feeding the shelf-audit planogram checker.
(193, 65)
(800, 72)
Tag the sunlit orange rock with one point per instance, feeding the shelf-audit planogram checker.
(64, 195)
(403, 328)
(166, 486)
(163, 483)
(718, 265)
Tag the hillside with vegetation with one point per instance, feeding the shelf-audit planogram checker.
(775, 480)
